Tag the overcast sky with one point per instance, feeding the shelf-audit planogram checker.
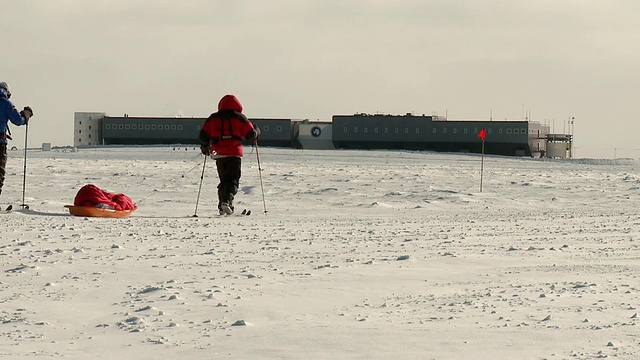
(312, 59)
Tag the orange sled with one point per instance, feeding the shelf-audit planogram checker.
(98, 212)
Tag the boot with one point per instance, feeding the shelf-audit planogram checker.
(225, 209)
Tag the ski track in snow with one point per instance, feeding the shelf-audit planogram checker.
(362, 254)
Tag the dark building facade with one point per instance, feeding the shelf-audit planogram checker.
(363, 131)
(128, 130)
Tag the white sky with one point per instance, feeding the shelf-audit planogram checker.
(315, 58)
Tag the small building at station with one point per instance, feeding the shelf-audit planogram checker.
(559, 146)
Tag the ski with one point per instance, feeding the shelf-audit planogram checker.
(245, 212)
(10, 208)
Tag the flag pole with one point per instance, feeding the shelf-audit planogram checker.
(482, 165)
(482, 135)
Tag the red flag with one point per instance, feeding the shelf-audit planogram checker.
(482, 134)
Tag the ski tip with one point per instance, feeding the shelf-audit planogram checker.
(9, 208)
(194, 215)
(248, 212)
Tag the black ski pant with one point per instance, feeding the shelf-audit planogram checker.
(3, 164)
(229, 172)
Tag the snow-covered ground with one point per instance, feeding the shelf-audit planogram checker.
(361, 255)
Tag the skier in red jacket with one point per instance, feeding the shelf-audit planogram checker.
(221, 137)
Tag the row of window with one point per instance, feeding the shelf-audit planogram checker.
(80, 123)
(435, 130)
(265, 128)
(142, 127)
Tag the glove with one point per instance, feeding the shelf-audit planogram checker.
(205, 150)
(27, 113)
(253, 135)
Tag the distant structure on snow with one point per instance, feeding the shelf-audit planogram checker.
(357, 131)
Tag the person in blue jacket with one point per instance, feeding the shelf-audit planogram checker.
(8, 113)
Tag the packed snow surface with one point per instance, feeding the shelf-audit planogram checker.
(360, 255)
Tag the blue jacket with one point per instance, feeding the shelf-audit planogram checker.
(8, 112)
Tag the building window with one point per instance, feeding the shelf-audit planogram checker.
(465, 130)
(345, 129)
(523, 131)
(89, 127)
(355, 129)
(134, 126)
(435, 131)
(79, 140)
(417, 130)
(499, 131)
(397, 130)
(80, 122)
(278, 128)
(147, 127)
(89, 136)
(365, 130)
(121, 127)
(475, 130)
(386, 130)
(516, 131)
(455, 131)
(375, 130)
(179, 127)
(80, 131)
(444, 130)
(127, 126)
(509, 131)
(488, 131)
(166, 127)
(153, 126)
(265, 128)
(406, 130)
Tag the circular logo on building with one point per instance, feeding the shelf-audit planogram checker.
(316, 131)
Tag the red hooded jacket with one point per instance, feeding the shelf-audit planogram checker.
(224, 130)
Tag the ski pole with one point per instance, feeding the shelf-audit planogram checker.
(264, 204)
(24, 173)
(195, 213)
